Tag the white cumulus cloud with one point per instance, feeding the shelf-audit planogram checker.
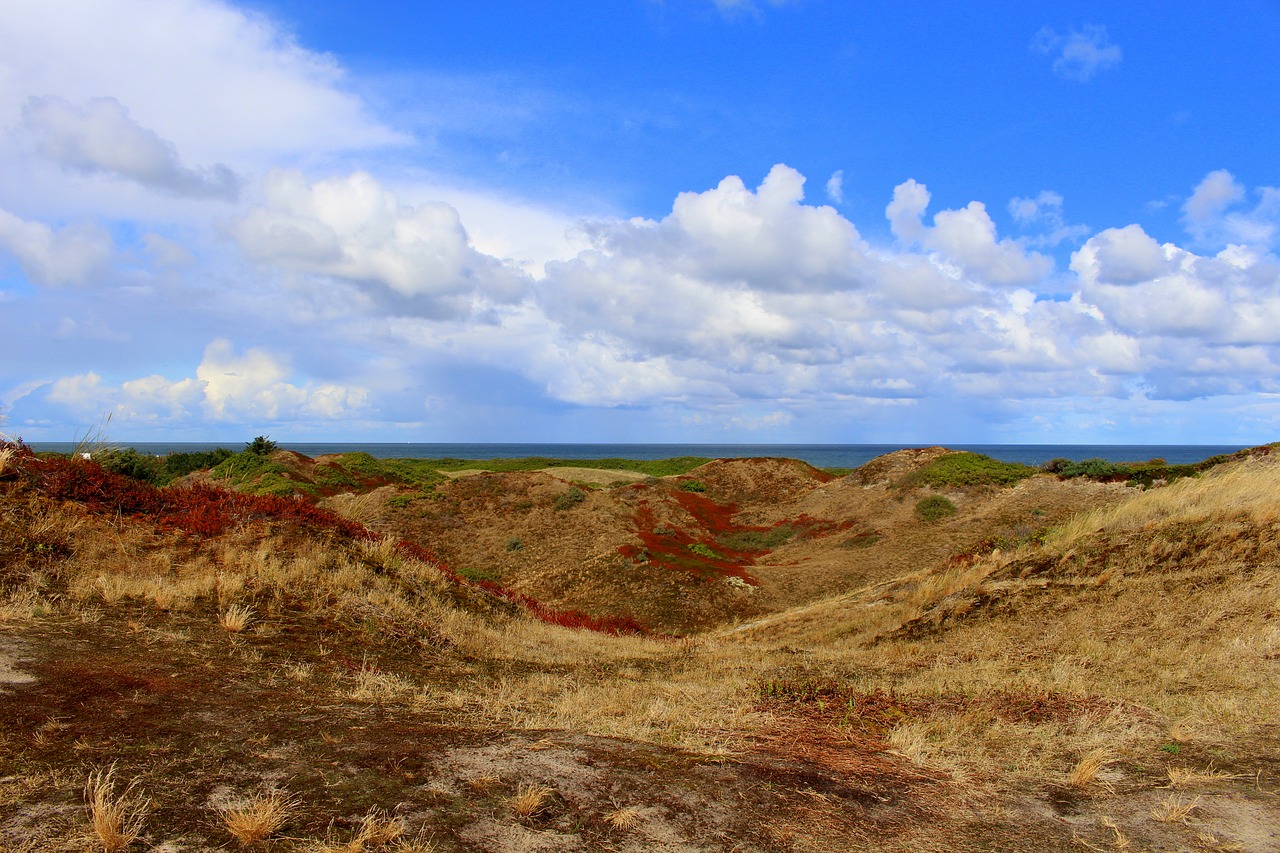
(73, 254)
(355, 229)
(102, 137)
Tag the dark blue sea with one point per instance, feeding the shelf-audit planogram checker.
(819, 455)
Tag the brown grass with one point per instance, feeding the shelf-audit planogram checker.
(1173, 809)
(258, 817)
(625, 818)
(1085, 773)
(530, 801)
(236, 618)
(116, 820)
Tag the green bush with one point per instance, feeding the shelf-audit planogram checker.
(704, 551)
(131, 463)
(1095, 468)
(260, 446)
(967, 469)
(757, 540)
(177, 465)
(934, 507)
(693, 486)
(571, 498)
(865, 539)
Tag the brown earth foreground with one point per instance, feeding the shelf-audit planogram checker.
(1060, 665)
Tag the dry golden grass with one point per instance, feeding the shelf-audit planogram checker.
(1085, 773)
(1173, 809)
(377, 830)
(530, 801)
(624, 818)
(258, 817)
(116, 819)
(1184, 777)
(236, 618)
(374, 685)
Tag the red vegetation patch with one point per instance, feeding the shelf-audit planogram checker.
(209, 511)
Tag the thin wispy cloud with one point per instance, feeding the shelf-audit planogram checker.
(1078, 55)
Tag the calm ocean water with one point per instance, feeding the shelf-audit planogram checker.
(819, 455)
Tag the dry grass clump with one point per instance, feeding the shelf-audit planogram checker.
(377, 830)
(236, 618)
(259, 817)
(1183, 777)
(116, 820)
(1173, 809)
(625, 818)
(374, 685)
(530, 801)
(1086, 771)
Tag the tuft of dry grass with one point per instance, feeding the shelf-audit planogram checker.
(625, 818)
(1085, 773)
(116, 820)
(259, 817)
(236, 618)
(377, 830)
(1182, 777)
(530, 801)
(1173, 809)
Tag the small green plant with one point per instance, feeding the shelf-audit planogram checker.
(1171, 748)
(693, 486)
(474, 574)
(757, 540)
(934, 507)
(864, 539)
(704, 551)
(515, 543)
(570, 499)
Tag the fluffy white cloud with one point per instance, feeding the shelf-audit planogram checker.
(228, 386)
(1122, 256)
(222, 84)
(102, 137)
(1208, 216)
(1080, 54)
(71, 255)
(355, 229)
(964, 237)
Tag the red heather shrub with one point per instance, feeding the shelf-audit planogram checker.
(208, 511)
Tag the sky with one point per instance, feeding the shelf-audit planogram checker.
(702, 221)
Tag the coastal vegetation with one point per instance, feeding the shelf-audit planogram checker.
(512, 660)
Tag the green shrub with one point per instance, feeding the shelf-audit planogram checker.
(570, 499)
(757, 540)
(865, 539)
(515, 543)
(131, 463)
(480, 574)
(934, 507)
(693, 486)
(967, 469)
(704, 551)
(260, 446)
(1095, 469)
(177, 465)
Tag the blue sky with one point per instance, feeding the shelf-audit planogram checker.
(693, 220)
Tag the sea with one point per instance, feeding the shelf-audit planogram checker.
(818, 455)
